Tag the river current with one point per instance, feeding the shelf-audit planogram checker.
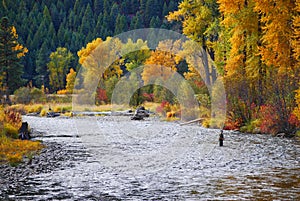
(156, 160)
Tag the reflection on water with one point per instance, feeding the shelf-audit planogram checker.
(186, 163)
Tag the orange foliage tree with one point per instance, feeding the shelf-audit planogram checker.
(161, 64)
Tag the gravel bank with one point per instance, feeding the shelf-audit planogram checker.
(53, 157)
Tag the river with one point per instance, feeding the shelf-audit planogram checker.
(120, 159)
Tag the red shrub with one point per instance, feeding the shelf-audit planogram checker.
(294, 121)
(149, 97)
(270, 120)
(101, 95)
(163, 108)
(232, 123)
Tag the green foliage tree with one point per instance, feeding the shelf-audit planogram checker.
(58, 67)
(138, 53)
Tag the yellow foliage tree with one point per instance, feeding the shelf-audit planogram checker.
(19, 48)
(200, 22)
(296, 33)
(58, 66)
(161, 64)
(70, 80)
(296, 51)
(277, 31)
(90, 47)
(99, 59)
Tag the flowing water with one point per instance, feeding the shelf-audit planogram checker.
(154, 160)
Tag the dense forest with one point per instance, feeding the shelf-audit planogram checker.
(43, 26)
(254, 45)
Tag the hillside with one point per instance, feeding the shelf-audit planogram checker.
(44, 25)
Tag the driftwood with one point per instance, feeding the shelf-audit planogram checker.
(192, 121)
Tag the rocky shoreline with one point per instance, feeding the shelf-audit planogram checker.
(54, 156)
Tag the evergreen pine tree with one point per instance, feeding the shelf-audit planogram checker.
(97, 30)
(88, 22)
(55, 16)
(98, 7)
(11, 69)
(47, 16)
(134, 6)
(121, 24)
(165, 9)
(114, 12)
(149, 12)
(41, 65)
(155, 22)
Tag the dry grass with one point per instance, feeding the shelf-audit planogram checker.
(13, 151)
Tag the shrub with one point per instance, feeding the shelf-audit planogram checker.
(14, 158)
(232, 122)
(37, 95)
(251, 126)
(163, 108)
(12, 150)
(22, 95)
(101, 95)
(33, 108)
(270, 119)
(170, 114)
(62, 92)
(62, 109)
(26, 95)
(43, 113)
(12, 117)
(18, 108)
(11, 131)
(294, 120)
(148, 97)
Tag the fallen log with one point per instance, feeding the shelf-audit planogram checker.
(192, 121)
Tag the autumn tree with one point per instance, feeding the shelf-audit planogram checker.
(200, 22)
(135, 54)
(161, 64)
(296, 33)
(276, 51)
(10, 54)
(296, 54)
(100, 61)
(244, 73)
(70, 79)
(58, 66)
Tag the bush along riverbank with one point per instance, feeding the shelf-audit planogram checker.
(12, 149)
